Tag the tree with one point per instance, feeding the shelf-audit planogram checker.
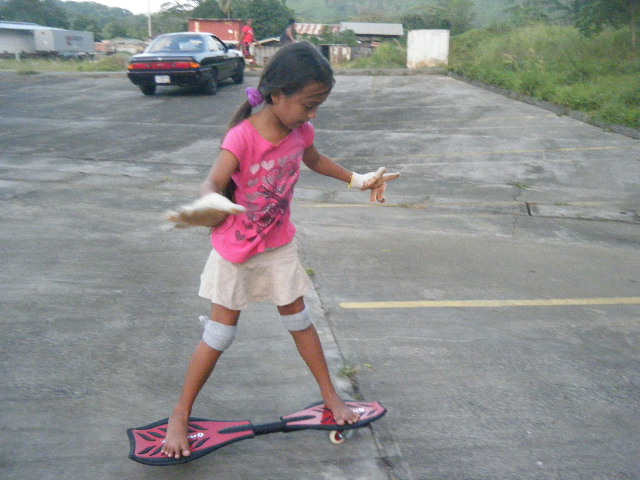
(43, 12)
(376, 11)
(454, 15)
(115, 29)
(228, 7)
(525, 12)
(83, 23)
(181, 6)
(168, 21)
(592, 15)
(270, 17)
(207, 9)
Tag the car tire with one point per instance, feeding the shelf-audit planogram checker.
(238, 78)
(211, 85)
(148, 89)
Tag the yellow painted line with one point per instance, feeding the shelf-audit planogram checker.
(552, 302)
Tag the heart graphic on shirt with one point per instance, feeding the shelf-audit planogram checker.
(240, 236)
(272, 177)
(253, 182)
(268, 165)
(254, 168)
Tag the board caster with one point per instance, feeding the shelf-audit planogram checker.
(337, 437)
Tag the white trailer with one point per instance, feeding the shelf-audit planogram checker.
(66, 43)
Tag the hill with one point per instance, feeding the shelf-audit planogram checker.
(95, 10)
(334, 11)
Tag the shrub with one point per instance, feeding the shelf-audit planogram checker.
(597, 75)
(616, 113)
(387, 55)
(110, 63)
(577, 97)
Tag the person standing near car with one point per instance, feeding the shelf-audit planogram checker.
(248, 38)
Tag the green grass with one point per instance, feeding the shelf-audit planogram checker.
(596, 75)
(349, 369)
(388, 55)
(29, 66)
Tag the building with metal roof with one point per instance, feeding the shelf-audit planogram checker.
(18, 38)
(8, 25)
(316, 29)
(369, 33)
(389, 30)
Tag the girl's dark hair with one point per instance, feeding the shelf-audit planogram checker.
(292, 68)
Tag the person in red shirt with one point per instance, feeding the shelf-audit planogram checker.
(247, 38)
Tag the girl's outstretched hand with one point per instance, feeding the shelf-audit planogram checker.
(208, 211)
(374, 181)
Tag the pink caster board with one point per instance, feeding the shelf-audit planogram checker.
(205, 436)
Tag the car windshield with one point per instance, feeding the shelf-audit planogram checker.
(177, 44)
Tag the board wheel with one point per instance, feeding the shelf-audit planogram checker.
(337, 437)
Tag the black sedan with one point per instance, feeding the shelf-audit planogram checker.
(186, 59)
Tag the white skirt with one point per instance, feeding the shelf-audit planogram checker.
(276, 276)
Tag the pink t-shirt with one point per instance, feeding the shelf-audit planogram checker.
(266, 178)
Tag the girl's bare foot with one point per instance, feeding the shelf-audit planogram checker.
(342, 412)
(176, 443)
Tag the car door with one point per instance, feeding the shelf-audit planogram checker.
(221, 59)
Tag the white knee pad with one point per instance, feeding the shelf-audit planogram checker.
(219, 336)
(297, 321)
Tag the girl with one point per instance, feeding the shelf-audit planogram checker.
(254, 255)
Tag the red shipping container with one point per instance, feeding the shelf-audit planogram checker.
(229, 31)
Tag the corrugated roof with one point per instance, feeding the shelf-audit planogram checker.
(315, 28)
(383, 29)
(6, 25)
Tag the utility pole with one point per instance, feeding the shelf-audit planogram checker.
(149, 19)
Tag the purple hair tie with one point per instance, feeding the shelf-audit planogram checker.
(254, 96)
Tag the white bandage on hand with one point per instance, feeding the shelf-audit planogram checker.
(208, 211)
(374, 181)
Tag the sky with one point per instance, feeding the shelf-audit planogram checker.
(134, 6)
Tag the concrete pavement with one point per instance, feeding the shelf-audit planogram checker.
(499, 201)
